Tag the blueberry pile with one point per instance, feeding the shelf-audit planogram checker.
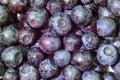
(60, 39)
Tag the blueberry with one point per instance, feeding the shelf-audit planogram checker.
(62, 58)
(106, 26)
(9, 34)
(47, 68)
(81, 15)
(36, 17)
(109, 76)
(27, 72)
(86, 1)
(54, 6)
(12, 56)
(35, 56)
(91, 75)
(71, 42)
(10, 74)
(113, 5)
(49, 43)
(38, 3)
(82, 60)
(71, 73)
(61, 23)
(117, 71)
(90, 40)
(107, 54)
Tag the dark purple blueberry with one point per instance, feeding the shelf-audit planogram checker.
(82, 60)
(91, 75)
(104, 12)
(17, 6)
(10, 74)
(71, 73)
(54, 6)
(26, 36)
(106, 26)
(12, 56)
(4, 14)
(38, 3)
(9, 34)
(34, 56)
(36, 17)
(81, 15)
(47, 68)
(71, 42)
(107, 54)
(4, 1)
(27, 72)
(61, 23)
(100, 2)
(49, 43)
(109, 76)
(116, 43)
(113, 5)
(69, 4)
(62, 58)
(86, 1)
(90, 40)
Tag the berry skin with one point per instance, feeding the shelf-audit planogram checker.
(100, 2)
(27, 72)
(10, 74)
(107, 54)
(62, 58)
(82, 60)
(34, 56)
(54, 6)
(90, 40)
(106, 27)
(9, 34)
(116, 43)
(4, 1)
(38, 3)
(81, 15)
(36, 17)
(86, 1)
(109, 76)
(12, 56)
(117, 71)
(61, 23)
(91, 75)
(71, 73)
(113, 5)
(49, 43)
(47, 68)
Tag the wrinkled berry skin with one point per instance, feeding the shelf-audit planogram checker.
(105, 12)
(27, 72)
(106, 26)
(12, 56)
(90, 40)
(35, 56)
(91, 75)
(9, 34)
(62, 58)
(82, 60)
(86, 1)
(4, 14)
(107, 54)
(26, 36)
(49, 43)
(36, 17)
(113, 5)
(69, 4)
(71, 42)
(10, 74)
(81, 15)
(54, 6)
(17, 6)
(47, 68)
(109, 76)
(61, 23)
(71, 73)
(38, 3)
